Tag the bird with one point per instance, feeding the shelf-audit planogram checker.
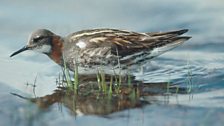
(112, 51)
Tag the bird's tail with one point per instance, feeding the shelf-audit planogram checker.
(176, 32)
(167, 41)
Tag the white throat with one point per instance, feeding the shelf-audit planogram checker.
(43, 49)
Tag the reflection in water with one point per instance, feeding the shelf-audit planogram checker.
(90, 100)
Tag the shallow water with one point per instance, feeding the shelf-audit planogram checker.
(200, 59)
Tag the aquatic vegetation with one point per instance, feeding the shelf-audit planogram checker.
(107, 84)
(189, 79)
(76, 79)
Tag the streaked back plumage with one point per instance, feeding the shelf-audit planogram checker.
(118, 48)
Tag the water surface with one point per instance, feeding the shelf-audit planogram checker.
(200, 59)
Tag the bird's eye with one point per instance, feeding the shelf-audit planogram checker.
(36, 39)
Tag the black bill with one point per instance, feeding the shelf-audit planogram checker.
(19, 51)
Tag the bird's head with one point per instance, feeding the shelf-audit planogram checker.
(39, 41)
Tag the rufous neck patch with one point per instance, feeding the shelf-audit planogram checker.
(56, 52)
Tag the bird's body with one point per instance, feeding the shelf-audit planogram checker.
(109, 50)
